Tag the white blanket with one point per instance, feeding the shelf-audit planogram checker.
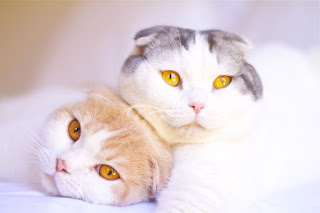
(15, 198)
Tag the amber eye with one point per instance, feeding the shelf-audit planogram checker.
(108, 172)
(74, 130)
(221, 81)
(171, 77)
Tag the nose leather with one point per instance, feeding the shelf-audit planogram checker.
(197, 107)
(61, 165)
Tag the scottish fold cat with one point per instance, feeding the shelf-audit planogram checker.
(202, 96)
(96, 149)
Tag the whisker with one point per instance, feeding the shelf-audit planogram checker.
(151, 113)
(138, 106)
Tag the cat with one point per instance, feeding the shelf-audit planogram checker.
(200, 94)
(101, 151)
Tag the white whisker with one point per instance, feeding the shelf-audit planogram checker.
(139, 106)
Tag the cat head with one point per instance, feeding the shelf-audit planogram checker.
(191, 85)
(99, 150)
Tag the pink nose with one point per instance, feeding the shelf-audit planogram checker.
(61, 165)
(197, 107)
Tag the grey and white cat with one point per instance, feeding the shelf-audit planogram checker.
(198, 91)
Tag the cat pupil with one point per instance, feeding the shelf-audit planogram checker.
(76, 130)
(111, 171)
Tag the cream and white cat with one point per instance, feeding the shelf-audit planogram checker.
(98, 150)
(198, 91)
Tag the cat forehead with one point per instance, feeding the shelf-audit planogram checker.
(97, 110)
(94, 115)
(171, 45)
(198, 56)
(99, 139)
(175, 37)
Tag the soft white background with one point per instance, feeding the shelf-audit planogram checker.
(85, 42)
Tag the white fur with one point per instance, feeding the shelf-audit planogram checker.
(29, 157)
(228, 169)
(144, 169)
(168, 107)
(82, 181)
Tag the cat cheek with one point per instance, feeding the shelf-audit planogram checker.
(181, 119)
(49, 184)
(47, 161)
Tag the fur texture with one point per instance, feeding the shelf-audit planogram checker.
(112, 134)
(197, 66)
(221, 154)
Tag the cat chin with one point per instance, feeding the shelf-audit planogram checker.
(56, 185)
(67, 186)
(188, 133)
(194, 133)
(49, 184)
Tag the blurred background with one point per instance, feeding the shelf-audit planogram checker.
(76, 43)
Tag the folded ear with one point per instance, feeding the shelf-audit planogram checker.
(243, 45)
(214, 36)
(156, 178)
(164, 34)
(145, 36)
(161, 165)
(237, 41)
(161, 175)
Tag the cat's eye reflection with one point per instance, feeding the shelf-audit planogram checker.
(108, 172)
(221, 81)
(171, 77)
(74, 130)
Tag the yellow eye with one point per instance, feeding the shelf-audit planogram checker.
(221, 81)
(108, 172)
(74, 130)
(171, 77)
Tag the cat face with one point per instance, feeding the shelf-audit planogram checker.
(100, 151)
(190, 85)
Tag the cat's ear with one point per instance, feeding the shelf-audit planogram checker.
(164, 35)
(158, 179)
(214, 36)
(145, 36)
(161, 168)
(238, 41)
(242, 44)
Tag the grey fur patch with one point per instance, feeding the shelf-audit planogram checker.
(166, 37)
(169, 38)
(131, 64)
(152, 30)
(225, 45)
(171, 34)
(215, 37)
(251, 81)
